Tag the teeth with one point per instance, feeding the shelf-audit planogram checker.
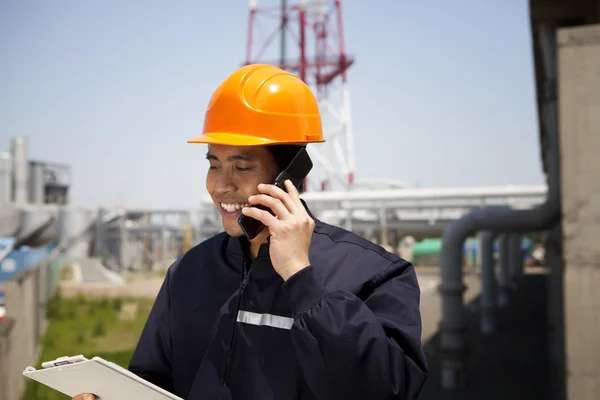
(233, 207)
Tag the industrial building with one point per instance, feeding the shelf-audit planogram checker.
(124, 239)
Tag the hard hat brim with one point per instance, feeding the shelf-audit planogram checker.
(235, 139)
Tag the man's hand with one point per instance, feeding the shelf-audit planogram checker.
(291, 228)
(85, 396)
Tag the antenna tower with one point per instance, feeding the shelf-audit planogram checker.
(312, 32)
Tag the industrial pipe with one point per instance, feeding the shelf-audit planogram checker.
(503, 219)
(426, 193)
(488, 283)
(503, 276)
(516, 257)
(24, 227)
(420, 194)
(10, 221)
(38, 225)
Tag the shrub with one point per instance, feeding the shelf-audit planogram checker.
(99, 329)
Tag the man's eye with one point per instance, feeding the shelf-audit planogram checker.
(243, 169)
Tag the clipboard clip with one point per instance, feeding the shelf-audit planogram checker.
(66, 360)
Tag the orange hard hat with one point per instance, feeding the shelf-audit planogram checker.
(261, 104)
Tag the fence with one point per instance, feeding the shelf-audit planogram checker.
(26, 296)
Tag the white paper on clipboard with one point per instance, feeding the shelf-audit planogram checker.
(108, 381)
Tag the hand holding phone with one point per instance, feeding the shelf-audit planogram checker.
(296, 171)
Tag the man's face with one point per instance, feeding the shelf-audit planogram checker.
(234, 175)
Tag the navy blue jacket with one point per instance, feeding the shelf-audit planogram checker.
(346, 327)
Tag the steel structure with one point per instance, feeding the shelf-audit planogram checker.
(408, 210)
(316, 30)
(123, 239)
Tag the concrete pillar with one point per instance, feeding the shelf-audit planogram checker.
(579, 118)
(20, 305)
(555, 313)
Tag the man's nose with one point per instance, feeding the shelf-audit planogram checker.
(225, 184)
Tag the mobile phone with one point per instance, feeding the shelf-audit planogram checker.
(296, 171)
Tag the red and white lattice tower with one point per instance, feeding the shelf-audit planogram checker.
(313, 31)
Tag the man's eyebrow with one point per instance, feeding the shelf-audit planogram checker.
(235, 157)
(239, 157)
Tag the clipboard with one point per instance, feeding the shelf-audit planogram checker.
(108, 381)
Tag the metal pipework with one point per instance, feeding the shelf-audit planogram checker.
(501, 219)
(503, 276)
(38, 225)
(516, 257)
(488, 283)
(10, 221)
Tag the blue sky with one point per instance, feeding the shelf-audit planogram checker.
(442, 91)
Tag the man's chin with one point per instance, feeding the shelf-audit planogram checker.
(233, 230)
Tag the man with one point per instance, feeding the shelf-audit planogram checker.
(303, 311)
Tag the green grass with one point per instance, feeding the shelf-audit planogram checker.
(92, 328)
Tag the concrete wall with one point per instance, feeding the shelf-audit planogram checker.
(579, 108)
(26, 296)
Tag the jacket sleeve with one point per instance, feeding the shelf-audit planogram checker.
(151, 359)
(348, 348)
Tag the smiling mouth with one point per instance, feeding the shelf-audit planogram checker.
(233, 207)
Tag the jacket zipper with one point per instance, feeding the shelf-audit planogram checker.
(234, 331)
